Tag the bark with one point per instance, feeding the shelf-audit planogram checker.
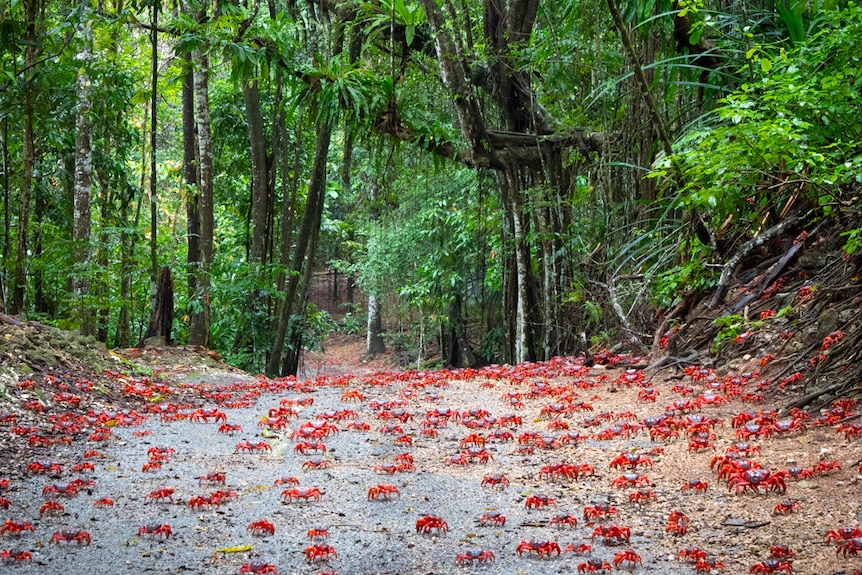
(192, 195)
(200, 328)
(454, 73)
(207, 198)
(307, 236)
(374, 344)
(154, 106)
(259, 180)
(162, 315)
(6, 228)
(83, 178)
(19, 289)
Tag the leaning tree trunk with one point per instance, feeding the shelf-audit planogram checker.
(83, 178)
(309, 227)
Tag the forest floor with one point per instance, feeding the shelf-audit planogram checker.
(380, 536)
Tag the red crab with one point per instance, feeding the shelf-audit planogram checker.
(79, 537)
(315, 463)
(612, 533)
(199, 501)
(261, 526)
(694, 485)
(781, 552)
(286, 481)
(593, 565)
(156, 530)
(474, 555)
(630, 461)
(495, 479)
(786, 507)
(214, 477)
(258, 568)
(753, 479)
(318, 533)
(536, 501)
(648, 395)
(67, 489)
(691, 554)
(247, 446)
(358, 426)
(428, 523)
(229, 429)
(382, 491)
(629, 556)
(541, 548)
(642, 495)
(352, 395)
(41, 467)
(501, 435)
(771, 566)
(298, 493)
(15, 527)
(306, 447)
(800, 473)
(204, 415)
(630, 480)
(599, 510)
(4, 503)
(494, 517)
(708, 565)
(563, 520)
(677, 523)
(15, 554)
(824, 467)
(851, 547)
(103, 502)
(159, 494)
(50, 506)
(842, 534)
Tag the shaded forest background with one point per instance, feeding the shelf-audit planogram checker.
(495, 178)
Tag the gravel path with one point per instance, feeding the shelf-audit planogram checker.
(380, 536)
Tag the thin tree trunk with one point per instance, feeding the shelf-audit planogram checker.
(19, 289)
(6, 228)
(83, 178)
(259, 179)
(154, 106)
(193, 215)
(308, 230)
(201, 332)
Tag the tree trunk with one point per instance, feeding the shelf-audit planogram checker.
(162, 316)
(83, 178)
(4, 295)
(154, 107)
(309, 227)
(199, 328)
(19, 289)
(374, 343)
(259, 174)
(193, 214)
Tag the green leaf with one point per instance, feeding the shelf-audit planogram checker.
(409, 32)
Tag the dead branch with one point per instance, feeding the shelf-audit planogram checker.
(730, 267)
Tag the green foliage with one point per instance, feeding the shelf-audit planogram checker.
(793, 129)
